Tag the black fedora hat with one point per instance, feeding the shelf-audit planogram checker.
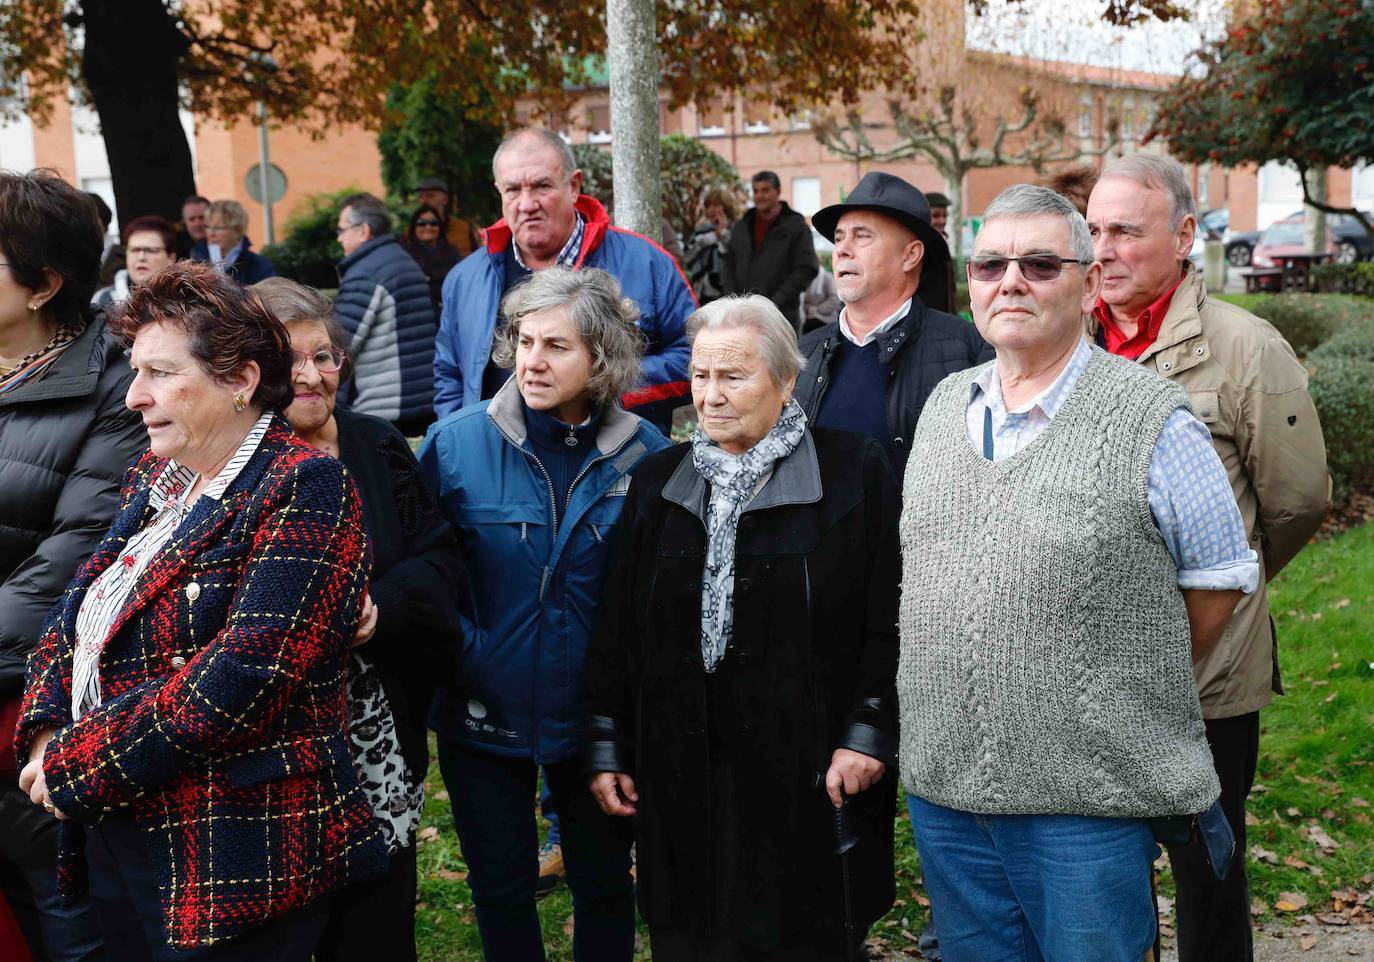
(897, 199)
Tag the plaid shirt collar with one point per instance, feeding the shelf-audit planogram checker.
(568, 255)
(1049, 401)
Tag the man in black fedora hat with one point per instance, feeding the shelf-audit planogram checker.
(871, 371)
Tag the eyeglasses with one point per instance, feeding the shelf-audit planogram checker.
(1034, 267)
(326, 362)
(344, 230)
(427, 223)
(146, 251)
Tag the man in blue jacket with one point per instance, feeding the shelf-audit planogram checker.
(547, 220)
(386, 312)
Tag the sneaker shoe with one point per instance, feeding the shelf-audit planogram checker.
(550, 869)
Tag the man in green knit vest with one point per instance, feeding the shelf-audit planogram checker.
(1070, 547)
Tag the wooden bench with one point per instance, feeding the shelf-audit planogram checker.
(1263, 279)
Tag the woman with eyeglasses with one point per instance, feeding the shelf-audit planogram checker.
(226, 245)
(426, 240)
(150, 244)
(409, 634)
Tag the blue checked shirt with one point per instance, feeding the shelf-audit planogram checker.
(1190, 496)
(567, 257)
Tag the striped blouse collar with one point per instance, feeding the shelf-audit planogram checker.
(176, 480)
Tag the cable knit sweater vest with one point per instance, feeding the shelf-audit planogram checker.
(1046, 663)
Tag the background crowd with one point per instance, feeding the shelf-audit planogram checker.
(1016, 565)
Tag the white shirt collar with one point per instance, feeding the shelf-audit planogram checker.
(176, 480)
(886, 325)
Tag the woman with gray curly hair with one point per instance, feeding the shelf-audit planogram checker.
(534, 481)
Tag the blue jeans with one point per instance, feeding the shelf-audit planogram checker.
(492, 811)
(1026, 888)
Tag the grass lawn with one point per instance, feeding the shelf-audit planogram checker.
(1310, 832)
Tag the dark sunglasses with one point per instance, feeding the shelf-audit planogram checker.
(427, 223)
(1034, 267)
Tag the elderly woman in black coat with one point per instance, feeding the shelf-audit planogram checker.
(741, 681)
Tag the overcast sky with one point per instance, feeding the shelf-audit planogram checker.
(1073, 30)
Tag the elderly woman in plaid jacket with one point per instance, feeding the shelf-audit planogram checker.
(184, 710)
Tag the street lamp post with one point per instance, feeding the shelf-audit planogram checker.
(264, 168)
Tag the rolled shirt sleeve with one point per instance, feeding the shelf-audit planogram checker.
(1195, 510)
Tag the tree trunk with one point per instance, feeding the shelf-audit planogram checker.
(1314, 228)
(633, 59)
(954, 227)
(130, 60)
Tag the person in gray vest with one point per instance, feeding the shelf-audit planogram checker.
(1070, 547)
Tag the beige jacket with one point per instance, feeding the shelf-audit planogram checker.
(1247, 386)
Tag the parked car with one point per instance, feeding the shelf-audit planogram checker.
(1214, 222)
(1353, 242)
(1347, 240)
(1287, 236)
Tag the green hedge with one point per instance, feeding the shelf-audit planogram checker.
(1307, 320)
(1336, 333)
(1355, 278)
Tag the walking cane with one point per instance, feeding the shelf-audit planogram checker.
(845, 839)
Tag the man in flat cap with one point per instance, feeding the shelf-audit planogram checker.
(871, 371)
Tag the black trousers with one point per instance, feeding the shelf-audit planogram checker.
(1214, 917)
(374, 920)
(681, 945)
(28, 880)
(124, 892)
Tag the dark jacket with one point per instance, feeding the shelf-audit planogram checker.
(384, 308)
(811, 668)
(781, 270)
(65, 443)
(533, 572)
(435, 260)
(222, 684)
(415, 565)
(919, 351)
(248, 268)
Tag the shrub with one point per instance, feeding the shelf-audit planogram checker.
(1306, 320)
(1342, 387)
(1355, 278)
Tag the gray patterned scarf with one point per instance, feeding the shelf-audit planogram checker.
(734, 480)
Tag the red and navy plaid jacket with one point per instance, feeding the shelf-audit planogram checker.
(222, 727)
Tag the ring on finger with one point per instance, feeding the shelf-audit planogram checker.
(49, 807)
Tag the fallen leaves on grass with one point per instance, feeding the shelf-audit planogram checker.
(1290, 902)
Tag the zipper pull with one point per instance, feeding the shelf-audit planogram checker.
(571, 439)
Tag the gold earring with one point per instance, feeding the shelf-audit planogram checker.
(33, 305)
(239, 402)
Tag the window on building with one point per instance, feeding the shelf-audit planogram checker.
(1279, 183)
(711, 118)
(1362, 187)
(806, 195)
(599, 124)
(757, 114)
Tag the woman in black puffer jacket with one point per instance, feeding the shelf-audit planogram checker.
(66, 439)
